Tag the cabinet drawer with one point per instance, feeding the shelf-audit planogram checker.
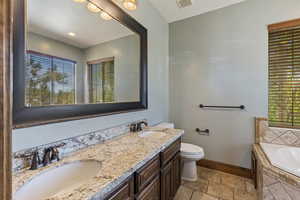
(124, 192)
(151, 192)
(168, 153)
(147, 173)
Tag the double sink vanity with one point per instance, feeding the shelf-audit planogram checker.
(100, 68)
(143, 165)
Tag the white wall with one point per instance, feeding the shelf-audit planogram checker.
(157, 90)
(220, 58)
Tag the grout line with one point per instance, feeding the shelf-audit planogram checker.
(192, 195)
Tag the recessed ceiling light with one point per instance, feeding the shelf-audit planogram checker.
(130, 4)
(184, 3)
(93, 8)
(79, 1)
(105, 16)
(71, 34)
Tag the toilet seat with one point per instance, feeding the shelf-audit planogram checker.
(191, 150)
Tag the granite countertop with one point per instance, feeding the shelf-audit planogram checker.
(287, 177)
(120, 158)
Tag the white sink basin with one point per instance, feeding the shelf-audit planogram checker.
(53, 181)
(152, 133)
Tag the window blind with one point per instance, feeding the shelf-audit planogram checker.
(101, 81)
(49, 80)
(284, 77)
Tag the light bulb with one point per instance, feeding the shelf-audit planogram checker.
(79, 1)
(105, 16)
(93, 8)
(130, 4)
(72, 34)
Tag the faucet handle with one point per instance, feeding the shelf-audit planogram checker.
(36, 161)
(140, 125)
(47, 156)
(55, 154)
(133, 127)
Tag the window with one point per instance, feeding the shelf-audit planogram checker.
(284, 74)
(101, 80)
(49, 80)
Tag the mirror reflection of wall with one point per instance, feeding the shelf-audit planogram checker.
(77, 54)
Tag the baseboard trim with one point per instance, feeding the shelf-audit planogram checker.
(231, 169)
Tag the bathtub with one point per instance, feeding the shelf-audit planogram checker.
(284, 157)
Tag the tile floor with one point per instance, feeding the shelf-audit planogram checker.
(216, 185)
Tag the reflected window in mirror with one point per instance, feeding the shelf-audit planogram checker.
(49, 80)
(101, 80)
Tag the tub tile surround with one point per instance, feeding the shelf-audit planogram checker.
(282, 136)
(274, 183)
(120, 158)
(22, 159)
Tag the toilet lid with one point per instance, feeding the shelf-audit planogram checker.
(191, 149)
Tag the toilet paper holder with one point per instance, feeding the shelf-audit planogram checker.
(203, 132)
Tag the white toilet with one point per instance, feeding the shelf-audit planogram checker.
(190, 155)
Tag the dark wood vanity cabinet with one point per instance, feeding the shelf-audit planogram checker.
(152, 191)
(146, 174)
(166, 182)
(171, 178)
(124, 192)
(158, 179)
(176, 173)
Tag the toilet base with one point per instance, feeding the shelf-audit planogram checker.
(189, 171)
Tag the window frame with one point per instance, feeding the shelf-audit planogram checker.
(59, 58)
(27, 117)
(273, 28)
(94, 62)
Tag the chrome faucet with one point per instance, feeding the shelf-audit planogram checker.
(36, 161)
(140, 125)
(50, 154)
(46, 157)
(136, 127)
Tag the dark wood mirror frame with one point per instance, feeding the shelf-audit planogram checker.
(24, 117)
(5, 100)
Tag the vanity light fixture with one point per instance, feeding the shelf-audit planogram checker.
(130, 4)
(79, 1)
(105, 16)
(93, 8)
(71, 34)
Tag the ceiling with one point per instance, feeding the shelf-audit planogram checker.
(170, 11)
(56, 18)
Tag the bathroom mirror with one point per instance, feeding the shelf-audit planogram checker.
(76, 59)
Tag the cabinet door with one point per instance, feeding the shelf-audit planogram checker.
(125, 192)
(176, 173)
(146, 174)
(151, 192)
(166, 182)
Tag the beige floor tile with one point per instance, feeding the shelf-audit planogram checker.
(233, 181)
(183, 193)
(241, 194)
(202, 196)
(216, 185)
(199, 185)
(250, 186)
(221, 191)
(210, 175)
